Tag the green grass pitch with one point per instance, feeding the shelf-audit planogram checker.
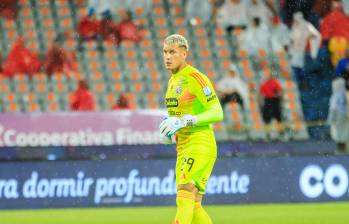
(325, 213)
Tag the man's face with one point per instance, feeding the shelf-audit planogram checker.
(174, 56)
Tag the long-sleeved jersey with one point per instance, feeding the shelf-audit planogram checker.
(191, 92)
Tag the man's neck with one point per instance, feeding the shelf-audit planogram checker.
(180, 68)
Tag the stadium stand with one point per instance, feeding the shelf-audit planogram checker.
(136, 68)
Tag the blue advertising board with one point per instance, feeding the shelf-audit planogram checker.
(152, 182)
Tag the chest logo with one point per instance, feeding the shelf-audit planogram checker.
(179, 89)
(207, 91)
(171, 102)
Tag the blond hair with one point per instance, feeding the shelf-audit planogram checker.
(177, 39)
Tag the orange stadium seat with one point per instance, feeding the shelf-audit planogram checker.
(146, 43)
(152, 101)
(33, 107)
(4, 88)
(116, 76)
(13, 107)
(26, 12)
(179, 21)
(118, 87)
(163, 33)
(160, 14)
(97, 77)
(41, 87)
(160, 22)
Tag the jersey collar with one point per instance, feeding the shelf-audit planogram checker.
(187, 67)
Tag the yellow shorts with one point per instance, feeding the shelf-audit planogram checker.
(194, 168)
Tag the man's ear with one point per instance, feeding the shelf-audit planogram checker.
(185, 53)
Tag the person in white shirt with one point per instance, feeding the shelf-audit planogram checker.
(198, 8)
(258, 9)
(302, 32)
(338, 114)
(280, 36)
(232, 88)
(232, 14)
(257, 37)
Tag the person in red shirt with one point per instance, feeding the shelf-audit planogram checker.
(108, 29)
(82, 99)
(9, 9)
(335, 23)
(59, 60)
(88, 28)
(127, 28)
(271, 99)
(21, 60)
(122, 103)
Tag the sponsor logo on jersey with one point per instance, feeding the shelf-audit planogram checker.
(174, 113)
(207, 91)
(211, 98)
(178, 89)
(171, 102)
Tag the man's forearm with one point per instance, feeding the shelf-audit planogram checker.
(212, 115)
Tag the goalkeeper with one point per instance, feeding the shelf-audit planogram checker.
(192, 106)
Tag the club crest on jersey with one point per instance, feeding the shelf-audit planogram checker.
(178, 89)
(207, 91)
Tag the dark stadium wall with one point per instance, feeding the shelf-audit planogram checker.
(152, 182)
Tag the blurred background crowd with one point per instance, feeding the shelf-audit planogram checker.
(273, 62)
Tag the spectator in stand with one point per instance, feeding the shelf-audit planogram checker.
(304, 38)
(280, 36)
(216, 5)
(271, 101)
(335, 33)
(198, 9)
(88, 27)
(337, 47)
(257, 37)
(289, 7)
(102, 8)
(342, 69)
(21, 60)
(82, 99)
(122, 103)
(233, 14)
(273, 6)
(338, 114)
(318, 10)
(58, 59)
(335, 23)
(108, 29)
(98, 21)
(232, 89)
(259, 9)
(321, 7)
(127, 29)
(9, 8)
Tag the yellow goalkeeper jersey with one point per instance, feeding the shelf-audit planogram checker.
(191, 92)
